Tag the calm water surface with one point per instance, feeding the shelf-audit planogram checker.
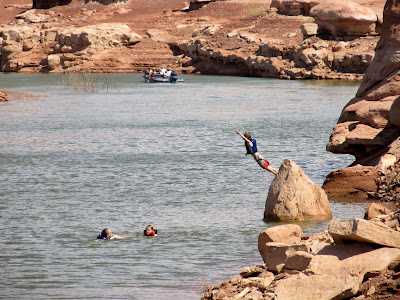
(73, 163)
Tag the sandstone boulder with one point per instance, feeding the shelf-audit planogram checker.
(355, 182)
(293, 196)
(309, 29)
(376, 209)
(364, 231)
(339, 18)
(361, 140)
(32, 16)
(289, 233)
(3, 97)
(318, 241)
(276, 244)
(53, 61)
(298, 260)
(158, 35)
(275, 254)
(294, 7)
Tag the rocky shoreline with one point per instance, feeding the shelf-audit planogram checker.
(354, 259)
(241, 38)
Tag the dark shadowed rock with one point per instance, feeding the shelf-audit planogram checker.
(45, 4)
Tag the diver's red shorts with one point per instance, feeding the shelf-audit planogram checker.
(262, 161)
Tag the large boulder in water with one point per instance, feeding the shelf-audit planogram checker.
(293, 196)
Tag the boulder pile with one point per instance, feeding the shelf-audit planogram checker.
(340, 263)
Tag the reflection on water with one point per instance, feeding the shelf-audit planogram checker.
(73, 163)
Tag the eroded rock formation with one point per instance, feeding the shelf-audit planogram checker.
(368, 127)
(222, 38)
(65, 44)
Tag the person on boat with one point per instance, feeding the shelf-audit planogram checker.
(150, 74)
(150, 231)
(251, 147)
(106, 234)
(163, 71)
(169, 72)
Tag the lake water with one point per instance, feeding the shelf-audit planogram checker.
(75, 162)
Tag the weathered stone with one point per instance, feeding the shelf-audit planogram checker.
(267, 280)
(288, 233)
(254, 295)
(53, 61)
(376, 209)
(355, 182)
(293, 7)
(3, 97)
(298, 260)
(376, 114)
(275, 254)
(134, 38)
(293, 196)
(364, 231)
(309, 29)
(158, 35)
(331, 278)
(344, 18)
(100, 37)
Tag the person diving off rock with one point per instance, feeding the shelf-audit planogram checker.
(251, 147)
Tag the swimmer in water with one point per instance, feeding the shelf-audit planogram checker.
(149, 231)
(106, 234)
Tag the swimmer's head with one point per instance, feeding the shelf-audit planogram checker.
(149, 229)
(106, 233)
(247, 134)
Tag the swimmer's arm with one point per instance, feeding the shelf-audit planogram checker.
(245, 138)
(118, 237)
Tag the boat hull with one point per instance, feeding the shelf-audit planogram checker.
(161, 79)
